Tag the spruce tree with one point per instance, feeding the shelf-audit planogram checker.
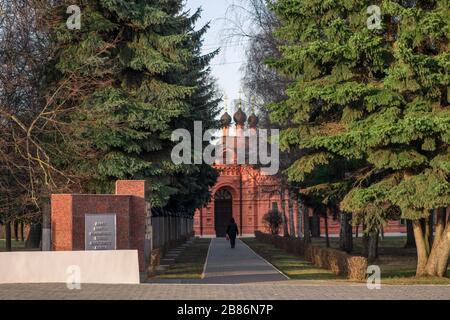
(193, 182)
(377, 96)
(128, 77)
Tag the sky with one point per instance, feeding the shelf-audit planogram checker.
(226, 65)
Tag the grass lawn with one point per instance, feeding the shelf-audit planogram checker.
(397, 264)
(289, 264)
(16, 245)
(190, 263)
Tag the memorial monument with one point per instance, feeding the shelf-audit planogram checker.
(101, 222)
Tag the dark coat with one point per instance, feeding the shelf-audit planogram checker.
(232, 230)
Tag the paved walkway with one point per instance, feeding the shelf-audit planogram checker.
(239, 265)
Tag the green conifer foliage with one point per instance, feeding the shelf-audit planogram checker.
(375, 96)
(131, 75)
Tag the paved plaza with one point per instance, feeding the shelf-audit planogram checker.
(295, 290)
(238, 274)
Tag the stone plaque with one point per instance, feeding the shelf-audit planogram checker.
(100, 231)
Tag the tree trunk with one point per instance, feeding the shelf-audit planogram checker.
(327, 236)
(357, 232)
(410, 242)
(285, 224)
(21, 231)
(34, 236)
(427, 234)
(422, 254)
(365, 242)
(438, 259)
(373, 246)
(431, 227)
(291, 213)
(349, 233)
(283, 212)
(315, 228)
(46, 226)
(8, 244)
(382, 232)
(307, 232)
(16, 230)
(300, 209)
(346, 235)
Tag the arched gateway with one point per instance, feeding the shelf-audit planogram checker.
(223, 204)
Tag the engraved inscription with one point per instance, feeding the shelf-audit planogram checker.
(100, 232)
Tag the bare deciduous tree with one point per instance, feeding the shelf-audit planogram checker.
(32, 140)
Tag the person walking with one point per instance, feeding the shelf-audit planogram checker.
(232, 232)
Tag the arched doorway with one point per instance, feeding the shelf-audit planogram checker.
(223, 206)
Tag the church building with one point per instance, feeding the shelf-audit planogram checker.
(242, 191)
(245, 193)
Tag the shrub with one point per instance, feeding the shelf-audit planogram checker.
(272, 221)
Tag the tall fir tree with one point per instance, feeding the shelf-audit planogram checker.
(193, 182)
(130, 76)
(375, 100)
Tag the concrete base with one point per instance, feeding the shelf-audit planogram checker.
(99, 267)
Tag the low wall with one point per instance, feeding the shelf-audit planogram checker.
(100, 267)
(340, 263)
(166, 229)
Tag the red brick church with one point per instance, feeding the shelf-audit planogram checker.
(246, 194)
